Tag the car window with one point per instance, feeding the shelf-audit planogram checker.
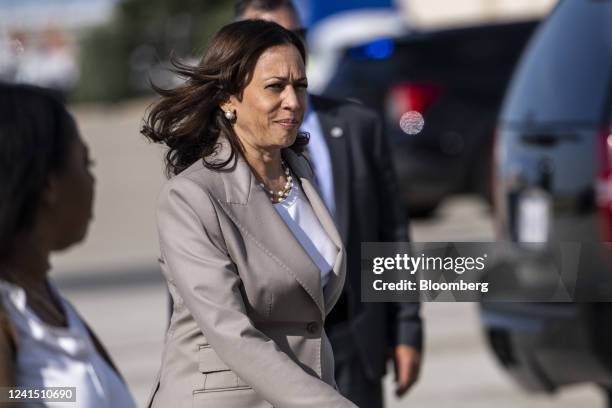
(565, 72)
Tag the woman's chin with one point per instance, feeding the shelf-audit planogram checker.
(283, 141)
(289, 139)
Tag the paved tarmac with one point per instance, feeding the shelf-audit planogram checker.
(114, 281)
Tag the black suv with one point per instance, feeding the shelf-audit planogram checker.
(553, 185)
(439, 92)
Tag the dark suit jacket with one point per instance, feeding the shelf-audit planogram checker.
(368, 209)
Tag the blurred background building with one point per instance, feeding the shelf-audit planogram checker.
(39, 39)
(107, 50)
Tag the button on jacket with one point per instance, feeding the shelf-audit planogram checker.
(246, 329)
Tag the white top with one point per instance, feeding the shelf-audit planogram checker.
(50, 356)
(321, 159)
(297, 213)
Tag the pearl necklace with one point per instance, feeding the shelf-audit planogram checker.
(281, 195)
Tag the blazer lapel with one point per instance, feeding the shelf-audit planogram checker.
(336, 133)
(253, 212)
(335, 284)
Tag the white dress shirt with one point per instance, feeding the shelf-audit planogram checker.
(297, 213)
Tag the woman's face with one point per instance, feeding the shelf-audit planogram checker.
(73, 192)
(273, 103)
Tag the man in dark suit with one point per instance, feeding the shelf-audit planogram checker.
(354, 174)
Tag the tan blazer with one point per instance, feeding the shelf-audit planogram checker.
(247, 325)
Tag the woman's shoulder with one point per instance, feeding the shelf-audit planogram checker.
(223, 176)
(196, 178)
(193, 192)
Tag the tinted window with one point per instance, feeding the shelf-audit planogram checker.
(565, 73)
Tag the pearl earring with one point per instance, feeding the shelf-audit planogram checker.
(229, 115)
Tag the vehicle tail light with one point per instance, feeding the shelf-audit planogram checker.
(603, 184)
(407, 97)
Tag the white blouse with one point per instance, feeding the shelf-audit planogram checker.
(51, 356)
(299, 216)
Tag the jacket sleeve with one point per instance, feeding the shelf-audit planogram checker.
(194, 250)
(404, 318)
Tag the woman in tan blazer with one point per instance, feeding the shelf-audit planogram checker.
(252, 258)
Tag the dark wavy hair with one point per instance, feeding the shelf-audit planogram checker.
(35, 134)
(188, 119)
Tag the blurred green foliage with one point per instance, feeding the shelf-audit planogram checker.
(114, 57)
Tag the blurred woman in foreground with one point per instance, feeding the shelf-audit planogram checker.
(46, 195)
